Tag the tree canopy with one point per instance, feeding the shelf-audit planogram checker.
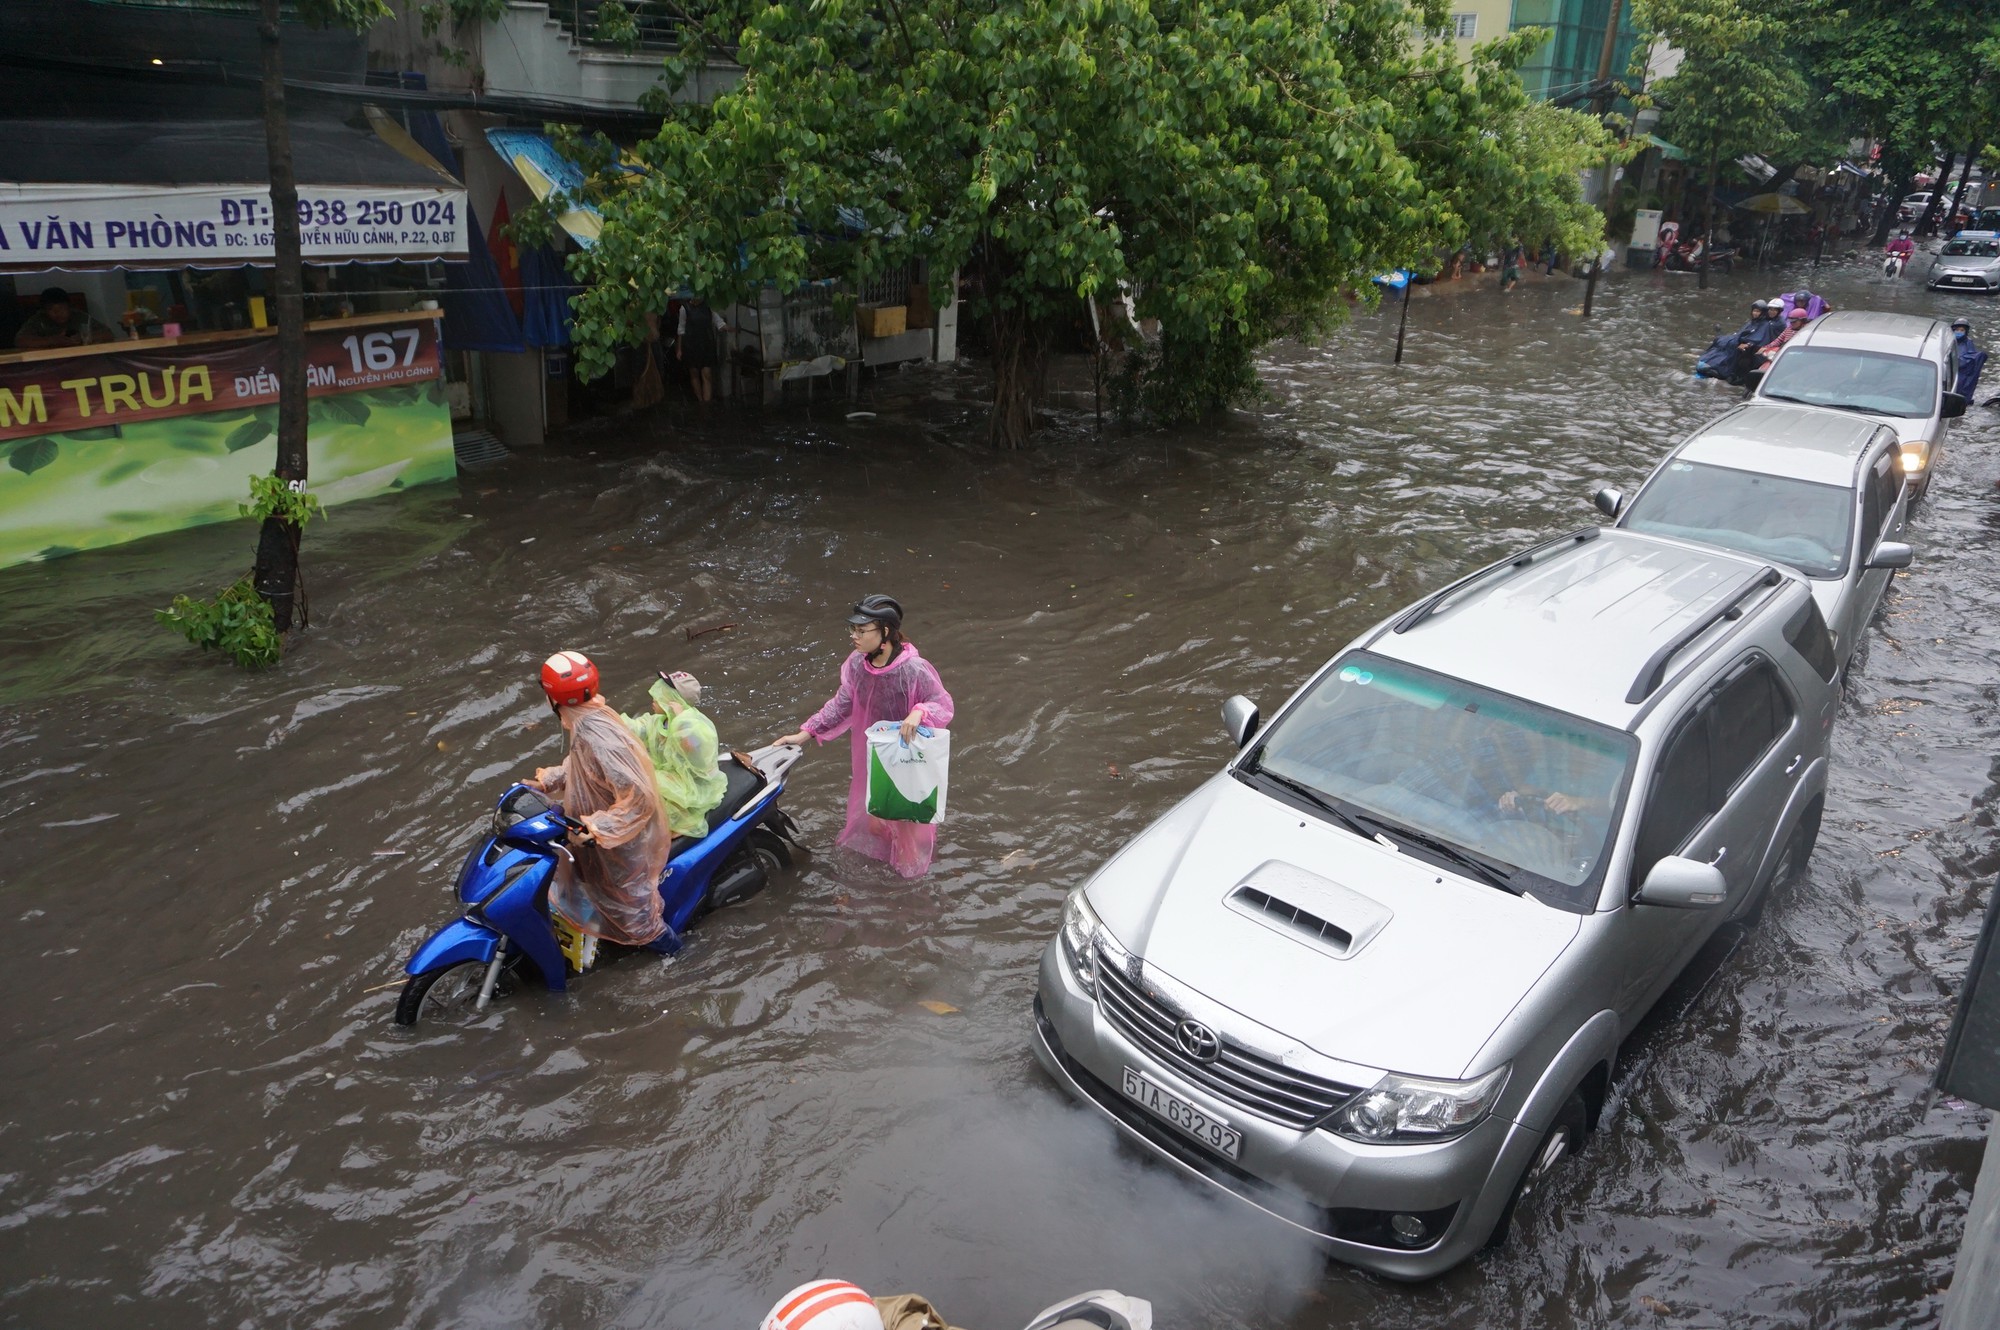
(1233, 164)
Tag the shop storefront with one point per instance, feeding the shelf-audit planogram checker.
(135, 290)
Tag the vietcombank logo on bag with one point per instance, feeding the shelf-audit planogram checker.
(906, 782)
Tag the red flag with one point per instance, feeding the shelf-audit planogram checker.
(505, 257)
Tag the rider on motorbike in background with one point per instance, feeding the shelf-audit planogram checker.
(612, 888)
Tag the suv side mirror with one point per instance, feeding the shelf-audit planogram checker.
(1891, 554)
(1609, 501)
(1240, 717)
(1951, 407)
(1683, 884)
(1755, 378)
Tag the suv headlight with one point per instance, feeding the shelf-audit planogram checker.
(1079, 939)
(1409, 1108)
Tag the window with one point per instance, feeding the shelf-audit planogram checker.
(1860, 380)
(1681, 799)
(1459, 763)
(1749, 714)
(1797, 522)
(1465, 27)
(1807, 632)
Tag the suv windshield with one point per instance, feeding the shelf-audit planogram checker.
(1863, 380)
(1797, 522)
(1530, 790)
(1978, 249)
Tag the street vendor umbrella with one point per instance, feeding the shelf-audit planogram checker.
(1777, 205)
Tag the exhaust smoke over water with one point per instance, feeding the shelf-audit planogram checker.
(213, 878)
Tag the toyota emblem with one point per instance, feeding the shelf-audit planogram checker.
(1197, 1041)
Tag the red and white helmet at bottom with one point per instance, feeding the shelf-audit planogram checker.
(824, 1304)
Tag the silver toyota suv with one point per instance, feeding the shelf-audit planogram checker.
(1821, 491)
(1372, 977)
(1894, 368)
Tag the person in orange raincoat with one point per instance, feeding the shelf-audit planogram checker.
(605, 781)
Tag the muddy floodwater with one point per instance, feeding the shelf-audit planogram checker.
(211, 879)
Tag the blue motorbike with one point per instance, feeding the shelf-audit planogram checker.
(507, 933)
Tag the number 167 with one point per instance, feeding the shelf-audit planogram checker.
(378, 349)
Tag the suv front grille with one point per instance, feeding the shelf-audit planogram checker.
(1267, 1088)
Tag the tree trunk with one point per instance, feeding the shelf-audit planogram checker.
(277, 572)
(1887, 221)
(1708, 217)
(1927, 224)
(1965, 176)
(1018, 356)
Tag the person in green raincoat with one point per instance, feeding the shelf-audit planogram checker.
(682, 743)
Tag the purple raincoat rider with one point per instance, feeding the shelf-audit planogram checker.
(883, 678)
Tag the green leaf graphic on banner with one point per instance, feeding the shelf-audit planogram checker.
(250, 432)
(32, 455)
(344, 409)
(891, 804)
(93, 432)
(125, 470)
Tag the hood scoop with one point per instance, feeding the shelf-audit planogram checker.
(1308, 908)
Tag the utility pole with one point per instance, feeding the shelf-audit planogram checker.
(1605, 55)
(277, 571)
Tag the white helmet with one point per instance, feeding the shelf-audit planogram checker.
(824, 1304)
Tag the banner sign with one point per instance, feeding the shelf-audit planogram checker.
(128, 226)
(103, 447)
(123, 387)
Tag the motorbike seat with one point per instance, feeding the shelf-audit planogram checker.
(743, 783)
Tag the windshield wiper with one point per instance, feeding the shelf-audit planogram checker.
(1825, 406)
(1313, 797)
(1504, 881)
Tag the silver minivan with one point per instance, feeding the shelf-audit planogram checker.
(1894, 367)
(1821, 491)
(1372, 977)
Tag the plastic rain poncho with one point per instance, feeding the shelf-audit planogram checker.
(682, 743)
(606, 783)
(868, 695)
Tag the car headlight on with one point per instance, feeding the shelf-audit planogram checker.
(1410, 1108)
(1079, 939)
(1914, 456)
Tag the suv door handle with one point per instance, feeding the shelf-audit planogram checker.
(1796, 759)
(1718, 856)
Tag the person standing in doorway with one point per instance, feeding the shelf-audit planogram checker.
(698, 346)
(882, 679)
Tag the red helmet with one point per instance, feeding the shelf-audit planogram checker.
(568, 678)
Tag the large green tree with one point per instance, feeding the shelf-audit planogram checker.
(1234, 164)
(1917, 75)
(1736, 89)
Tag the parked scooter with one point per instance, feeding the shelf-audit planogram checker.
(1687, 257)
(507, 934)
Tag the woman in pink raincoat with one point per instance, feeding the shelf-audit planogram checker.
(883, 679)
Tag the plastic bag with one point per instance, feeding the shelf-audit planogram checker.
(907, 781)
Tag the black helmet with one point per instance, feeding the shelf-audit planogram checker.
(885, 610)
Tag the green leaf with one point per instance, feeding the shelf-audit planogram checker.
(249, 433)
(32, 455)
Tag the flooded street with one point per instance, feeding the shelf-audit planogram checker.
(213, 878)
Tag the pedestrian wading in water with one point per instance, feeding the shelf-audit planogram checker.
(883, 678)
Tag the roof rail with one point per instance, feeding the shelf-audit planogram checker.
(1654, 671)
(1432, 603)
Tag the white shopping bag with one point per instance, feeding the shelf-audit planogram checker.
(906, 781)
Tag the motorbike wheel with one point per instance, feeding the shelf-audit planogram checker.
(768, 848)
(450, 994)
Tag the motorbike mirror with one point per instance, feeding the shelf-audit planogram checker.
(1610, 502)
(1891, 554)
(1239, 718)
(1952, 407)
(1683, 884)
